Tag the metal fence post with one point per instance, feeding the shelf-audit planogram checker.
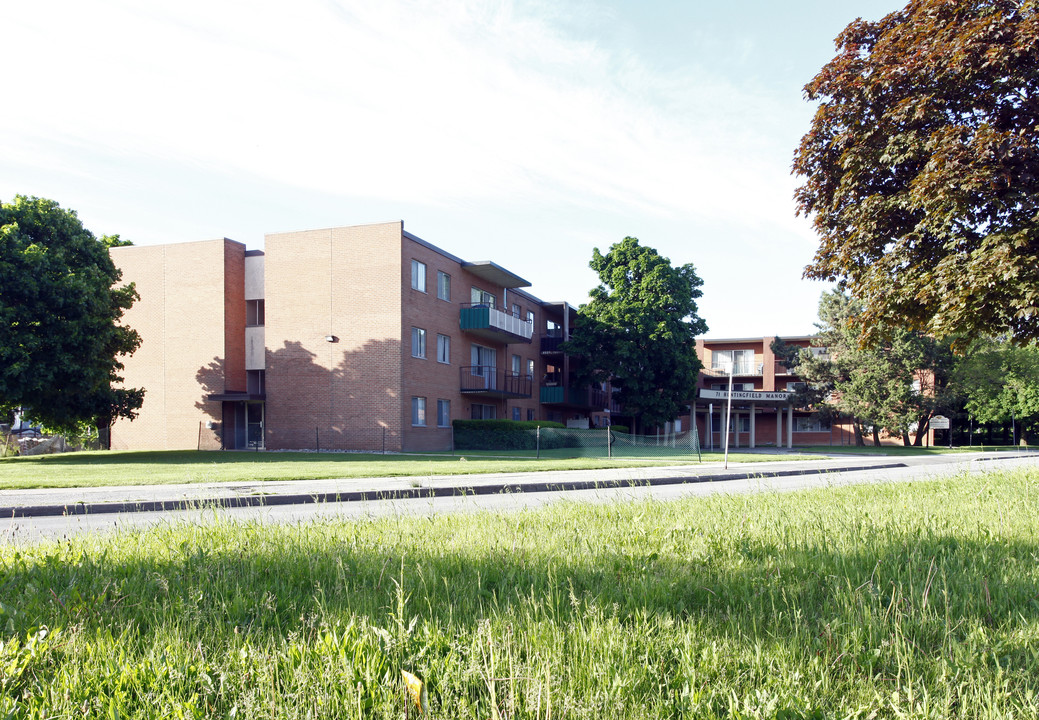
(538, 435)
(609, 445)
(317, 439)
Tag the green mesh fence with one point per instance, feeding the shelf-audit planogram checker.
(600, 442)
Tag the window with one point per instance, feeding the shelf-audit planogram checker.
(811, 423)
(736, 387)
(530, 316)
(253, 313)
(530, 369)
(443, 413)
(517, 364)
(483, 412)
(418, 411)
(479, 297)
(443, 286)
(418, 342)
(530, 413)
(744, 423)
(418, 276)
(794, 386)
(743, 359)
(516, 413)
(516, 310)
(255, 382)
(443, 349)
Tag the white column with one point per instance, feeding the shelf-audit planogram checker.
(753, 414)
(736, 427)
(789, 426)
(779, 426)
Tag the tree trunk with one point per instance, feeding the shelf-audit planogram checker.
(876, 436)
(905, 438)
(859, 442)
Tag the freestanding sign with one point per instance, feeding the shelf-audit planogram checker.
(940, 422)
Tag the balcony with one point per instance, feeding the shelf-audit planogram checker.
(488, 322)
(488, 381)
(552, 341)
(754, 369)
(584, 397)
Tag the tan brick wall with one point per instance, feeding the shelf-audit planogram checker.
(345, 283)
(184, 349)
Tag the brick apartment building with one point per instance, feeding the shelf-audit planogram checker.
(761, 411)
(350, 338)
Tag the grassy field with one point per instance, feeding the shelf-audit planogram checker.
(894, 601)
(91, 469)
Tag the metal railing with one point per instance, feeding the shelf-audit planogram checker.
(488, 380)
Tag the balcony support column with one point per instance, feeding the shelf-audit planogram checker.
(753, 416)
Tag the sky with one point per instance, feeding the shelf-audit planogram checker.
(526, 132)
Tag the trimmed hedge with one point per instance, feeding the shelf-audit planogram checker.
(499, 434)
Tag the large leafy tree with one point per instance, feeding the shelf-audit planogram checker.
(1000, 382)
(639, 331)
(59, 306)
(894, 385)
(921, 168)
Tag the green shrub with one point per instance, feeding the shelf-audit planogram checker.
(499, 434)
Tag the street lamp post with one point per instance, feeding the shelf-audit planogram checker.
(728, 413)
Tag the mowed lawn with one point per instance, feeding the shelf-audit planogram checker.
(912, 600)
(91, 469)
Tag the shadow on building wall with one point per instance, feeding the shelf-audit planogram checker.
(348, 402)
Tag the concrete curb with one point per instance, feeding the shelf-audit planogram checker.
(417, 493)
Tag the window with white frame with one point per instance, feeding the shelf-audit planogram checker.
(743, 361)
(530, 316)
(516, 413)
(418, 411)
(516, 310)
(517, 364)
(479, 297)
(443, 349)
(794, 386)
(443, 285)
(811, 423)
(736, 387)
(744, 423)
(418, 276)
(418, 342)
(443, 413)
(530, 369)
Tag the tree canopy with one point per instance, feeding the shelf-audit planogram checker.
(59, 307)
(921, 168)
(1000, 382)
(639, 331)
(896, 385)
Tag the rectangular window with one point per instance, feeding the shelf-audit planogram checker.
(479, 297)
(443, 413)
(743, 361)
(811, 424)
(530, 369)
(517, 364)
(516, 310)
(443, 349)
(418, 411)
(443, 286)
(418, 276)
(530, 413)
(254, 313)
(530, 316)
(736, 387)
(255, 382)
(744, 426)
(418, 342)
(516, 413)
(483, 412)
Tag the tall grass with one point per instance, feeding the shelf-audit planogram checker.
(896, 601)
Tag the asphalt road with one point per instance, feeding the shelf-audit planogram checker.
(40, 515)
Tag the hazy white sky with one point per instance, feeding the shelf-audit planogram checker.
(525, 132)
